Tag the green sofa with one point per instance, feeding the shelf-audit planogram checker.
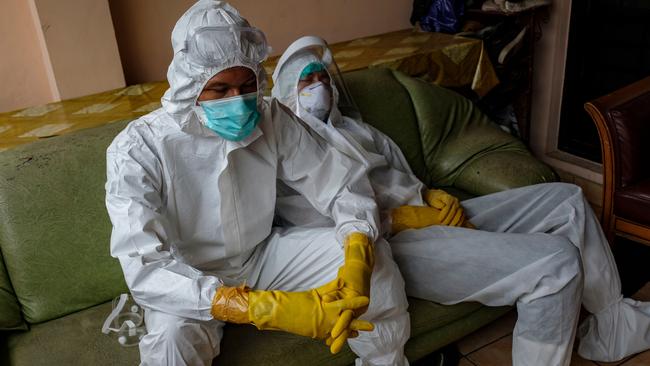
(57, 278)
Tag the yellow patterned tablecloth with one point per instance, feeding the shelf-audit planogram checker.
(440, 58)
(443, 59)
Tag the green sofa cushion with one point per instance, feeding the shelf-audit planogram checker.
(76, 339)
(54, 229)
(10, 317)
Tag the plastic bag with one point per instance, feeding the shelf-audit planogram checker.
(443, 16)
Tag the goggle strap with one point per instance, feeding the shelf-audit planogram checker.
(106, 328)
(227, 16)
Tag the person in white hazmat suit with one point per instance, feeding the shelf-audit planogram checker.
(539, 247)
(191, 194)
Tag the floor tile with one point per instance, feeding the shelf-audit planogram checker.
(613, 363)
(579, 361)
(642, 359)
(465, 362)
(488, 334)
(616, 363)
(498, 353)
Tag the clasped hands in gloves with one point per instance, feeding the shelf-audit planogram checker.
(329, 312)
(443, 209)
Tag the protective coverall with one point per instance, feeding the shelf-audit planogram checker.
(192, 211)
(539, 247)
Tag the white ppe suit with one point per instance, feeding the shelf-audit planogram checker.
(192, 211)
(540, 246)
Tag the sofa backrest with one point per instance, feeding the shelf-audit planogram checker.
(54, 228)
(386, 104)
(446, 139)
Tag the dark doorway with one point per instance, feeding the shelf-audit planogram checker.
(609, 47)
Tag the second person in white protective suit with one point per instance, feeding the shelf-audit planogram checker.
(539, 247)
(190, 197)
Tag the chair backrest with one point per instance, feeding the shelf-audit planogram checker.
(623, 122)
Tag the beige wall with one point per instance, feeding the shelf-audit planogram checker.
(56, 49)
(81, 44)
(23, 71)
(143, 27)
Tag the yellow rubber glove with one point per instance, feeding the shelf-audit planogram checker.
(303, 313)
(357, 267)
(334, 291)
(418, 217)
(451, 212)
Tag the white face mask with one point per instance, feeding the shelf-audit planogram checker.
(316, 100)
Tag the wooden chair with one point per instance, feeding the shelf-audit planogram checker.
(623, 122)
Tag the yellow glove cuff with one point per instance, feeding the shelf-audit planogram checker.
(357, 238)
(358, 263)
(357, 247)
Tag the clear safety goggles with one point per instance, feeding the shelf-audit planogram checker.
(126, 321)
(211, 46)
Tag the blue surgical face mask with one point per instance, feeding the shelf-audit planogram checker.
(232, 118)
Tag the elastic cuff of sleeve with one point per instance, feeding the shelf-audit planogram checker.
(346, 229)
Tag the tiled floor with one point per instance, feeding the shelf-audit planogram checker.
(492, 345)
